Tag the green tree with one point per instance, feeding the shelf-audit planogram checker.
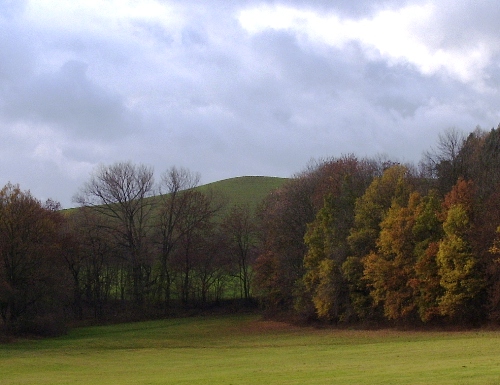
(392, 187)
(325, 254)
(458, 268)
(427, 232)
(345, 180)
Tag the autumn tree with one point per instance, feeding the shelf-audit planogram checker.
(493, 274)
(323, 279)
(459, 271)
(120, 193)
(31, 278)
(283, 219)
(390, 269)
(326, 238)
(391, 187)
(427, 232)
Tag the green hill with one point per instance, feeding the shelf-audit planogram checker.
(249, 190)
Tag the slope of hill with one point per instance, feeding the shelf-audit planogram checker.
(249, 190)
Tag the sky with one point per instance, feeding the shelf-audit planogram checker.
(232, 88)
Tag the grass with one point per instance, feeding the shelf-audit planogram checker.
(241, 190)
(247, 350)
(249, 190)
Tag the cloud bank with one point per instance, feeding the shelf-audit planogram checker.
(235, 88)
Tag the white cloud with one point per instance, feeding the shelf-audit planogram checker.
(100, 16)
(399, 35)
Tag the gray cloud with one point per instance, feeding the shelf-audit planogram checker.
(68, 100)
(203, 93)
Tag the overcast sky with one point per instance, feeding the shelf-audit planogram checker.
(232, 88)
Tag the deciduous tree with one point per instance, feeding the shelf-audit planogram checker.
(241, 236)
(458, 267)
(120, 192)
(427, 232)
(390, 269)
(31, 278)
(174, 205)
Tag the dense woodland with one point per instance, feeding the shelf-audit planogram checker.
(375, 241)
(347, 240)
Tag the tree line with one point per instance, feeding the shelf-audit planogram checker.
(133, 249)
(347, 240)
(375, 241)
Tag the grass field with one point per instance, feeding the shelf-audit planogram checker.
(244, 349)
(241, 190)
(249, 190)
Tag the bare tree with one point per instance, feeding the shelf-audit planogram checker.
(120, 192)
(241, 233)
(184, 213)
(90, 254)
(174, 201)
(445, 163)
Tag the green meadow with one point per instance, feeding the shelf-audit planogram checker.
(243, 190)
(244, 349)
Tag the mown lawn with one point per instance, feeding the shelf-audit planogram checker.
(247, 350)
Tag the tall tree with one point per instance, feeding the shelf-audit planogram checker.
(392, 187)
(326, 238)
(120, 192)
(92, 260)
(486, 174)
(390, 269)
(283, 220)
(458, 268)
(175, 203)
(494, 284)
(201, 208)
(323, 279)
(445, 162)
(240, 231)
(460, 274)
(30, 268)
(427, 232)
(211, 266)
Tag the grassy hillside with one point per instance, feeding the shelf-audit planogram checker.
(244, 349)
(240, 190)
(246, 189)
